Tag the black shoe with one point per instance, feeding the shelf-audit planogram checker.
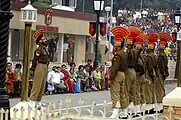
(134, 116)
(142, 113)
(147, 112)
(123, 117)
(152, 111)
(161, 111)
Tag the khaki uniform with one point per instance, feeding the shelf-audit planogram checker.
(117, 77)
(140, 80)
(131, 77)
(150, 75)
(162, 62)
(40, 67)
(145, 81)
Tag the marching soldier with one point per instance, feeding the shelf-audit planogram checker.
(162, 62)
(151, 74)
(40, 64)
(117, 79)
(140, 74)
(130, 72)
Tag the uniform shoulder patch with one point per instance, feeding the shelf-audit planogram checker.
(37, 53)
(116, 57)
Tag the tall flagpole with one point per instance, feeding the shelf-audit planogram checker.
(110, 26)
(141, 4)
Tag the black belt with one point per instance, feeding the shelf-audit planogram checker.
(131, 66)
(42, 62)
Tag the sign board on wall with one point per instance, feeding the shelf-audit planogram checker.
(47, 28)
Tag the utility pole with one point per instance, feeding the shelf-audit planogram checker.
(83, 6)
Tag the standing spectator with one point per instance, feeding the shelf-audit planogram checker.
(102, 82)
(52, 48)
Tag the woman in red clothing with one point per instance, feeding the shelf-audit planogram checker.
(67, 79)
(11, 80)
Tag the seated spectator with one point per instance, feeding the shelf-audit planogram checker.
(90, 85)
(107, 75)
(81, 76)
(75, 81)
(31, 82)
(18, 75)
(11, 80)
(54, 81)
(97, 78)
(67, 78)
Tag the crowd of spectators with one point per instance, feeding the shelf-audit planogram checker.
(151, 21)
(62, 79)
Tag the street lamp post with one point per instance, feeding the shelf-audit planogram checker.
(28, 15)
(177, 22)
(98, 7)
(179, 59)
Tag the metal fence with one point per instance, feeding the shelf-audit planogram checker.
(50, 112)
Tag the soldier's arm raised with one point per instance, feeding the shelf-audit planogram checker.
(115, 66)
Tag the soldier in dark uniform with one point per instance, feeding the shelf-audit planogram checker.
(40, 64)
(162, 62)
(117, 79)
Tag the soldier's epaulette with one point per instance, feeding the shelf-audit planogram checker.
(116, 57)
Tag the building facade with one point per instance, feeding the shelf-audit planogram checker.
(69, 32)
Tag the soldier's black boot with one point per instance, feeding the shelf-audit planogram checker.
(147, 112)
(161, 111)
(152, 111)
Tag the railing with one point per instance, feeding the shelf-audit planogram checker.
(49, 112)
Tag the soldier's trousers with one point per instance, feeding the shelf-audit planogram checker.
(131, 85)
(118, 92)
(159, 88)
(140, 97)
(149, 92)
(39, 82)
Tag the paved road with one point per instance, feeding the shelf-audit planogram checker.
(89, 97)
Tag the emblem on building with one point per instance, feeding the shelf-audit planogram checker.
(48, 16)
